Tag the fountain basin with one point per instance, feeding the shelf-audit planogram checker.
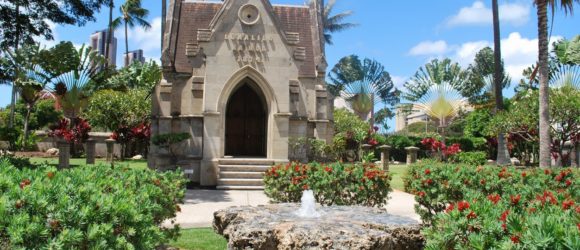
(277, 226)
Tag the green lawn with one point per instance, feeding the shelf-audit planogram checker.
(139, 164)
(200, 239)
(397, 172)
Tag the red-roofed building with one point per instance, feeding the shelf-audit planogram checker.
(242, 77)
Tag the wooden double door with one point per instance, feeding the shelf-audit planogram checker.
(246, 119)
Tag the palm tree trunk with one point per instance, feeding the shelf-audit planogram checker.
(542, 6)
(109, 33)
(503, 157)
(126, 46)
(26, 121)
(14, 89)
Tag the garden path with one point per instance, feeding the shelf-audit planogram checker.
(199, 205)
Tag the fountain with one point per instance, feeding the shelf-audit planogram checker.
(302, 226)
(308, 206)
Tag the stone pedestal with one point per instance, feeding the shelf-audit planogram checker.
(411, 154)
(385, 150)
(91, 144)
(110, 150)
(64, 154)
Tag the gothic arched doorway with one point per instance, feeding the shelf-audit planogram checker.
(246, 119)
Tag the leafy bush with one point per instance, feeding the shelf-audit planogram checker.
(466, 206)
(10, 135)
(333, 184)
(398, 144)
(96, 207)
(17, 162)
(470, 158)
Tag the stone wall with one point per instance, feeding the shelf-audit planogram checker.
(47, 142)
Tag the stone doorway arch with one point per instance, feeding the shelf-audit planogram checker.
(246, 121)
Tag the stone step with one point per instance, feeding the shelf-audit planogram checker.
(241, 175)
(240, 182)
(246, 161)
(229, 187)
(243, 168)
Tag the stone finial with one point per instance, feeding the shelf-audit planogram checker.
(411, 154)
(91, 144)
(110, 149)
(366, 147)
(385, 150)
(64, 154)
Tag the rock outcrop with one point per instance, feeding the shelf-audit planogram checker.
(339, 227)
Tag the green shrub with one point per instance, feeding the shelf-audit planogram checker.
(90, 207)
(17, 162)
(333, 184)
(540, 212)
(10, 135)
(477, 158)
(398, 144)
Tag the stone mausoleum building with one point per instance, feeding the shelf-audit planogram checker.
(242, 77)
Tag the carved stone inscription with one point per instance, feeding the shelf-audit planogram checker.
(249, 48)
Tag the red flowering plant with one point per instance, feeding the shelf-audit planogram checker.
(333, 184)
(138, 136)
(75, 132)
(439, 149)
(478, 207)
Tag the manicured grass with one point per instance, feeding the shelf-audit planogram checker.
(200, 239)
(397, 172)
(139, 164)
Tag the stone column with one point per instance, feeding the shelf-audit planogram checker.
(385, 150)
(110, 150)
(91, 143)
(411, 154)
(63, 154)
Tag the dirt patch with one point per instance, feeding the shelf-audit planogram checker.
(36, 154)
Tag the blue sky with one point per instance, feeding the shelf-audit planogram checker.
(402, 35)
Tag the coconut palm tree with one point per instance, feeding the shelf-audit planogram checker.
(543, 60)
(334, 23)
(503, 157)
(109, 37)
(132, 14)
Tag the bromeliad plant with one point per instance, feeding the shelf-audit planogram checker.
(333, 184)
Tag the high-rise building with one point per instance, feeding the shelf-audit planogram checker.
(134, 56)
(99, 41)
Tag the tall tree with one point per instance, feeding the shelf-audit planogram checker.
(110, 30)
(364, 84)
(503, 157)
(543, 60)
(132, 14)
(334, 23)
(479, 89)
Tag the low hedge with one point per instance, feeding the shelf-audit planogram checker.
(333, 184)
(490, 207)
(476, 158)
(94, 207)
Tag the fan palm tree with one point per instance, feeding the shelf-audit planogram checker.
(334, 23)
(132, 14)
(503, 157)
(543, 60)
(364, 84)
(441, 102)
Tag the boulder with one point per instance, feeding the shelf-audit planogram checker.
(137, 157)
(52, 151)
(340, 227)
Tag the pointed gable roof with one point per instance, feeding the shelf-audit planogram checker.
(195, 15)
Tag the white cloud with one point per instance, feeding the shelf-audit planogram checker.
(399, 81)
(147, 40)
(466, 52)
(478, 14)
(517, 52)
(429, 48)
